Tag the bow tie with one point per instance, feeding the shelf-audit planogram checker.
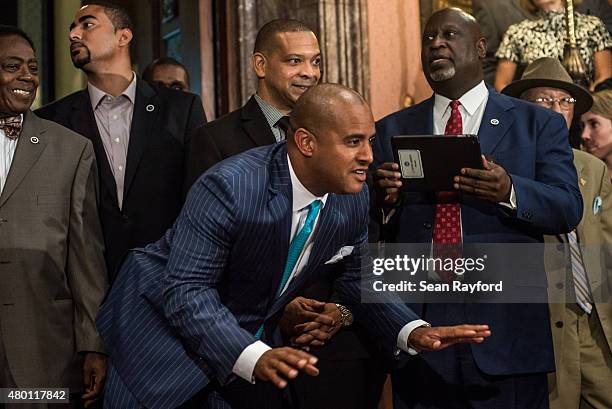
(11, 126)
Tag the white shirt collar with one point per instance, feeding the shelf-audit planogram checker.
(302, 196)
(96, 94)
(470, 101)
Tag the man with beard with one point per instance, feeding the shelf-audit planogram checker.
(51, 253)
(287, 62)
(526, 189)
(140, 131)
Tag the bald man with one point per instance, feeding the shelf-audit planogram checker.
(193, 319)
(527, 188)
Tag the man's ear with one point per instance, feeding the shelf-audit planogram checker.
(259, 65)
(482, 48)
(125, 37)
(305, 141)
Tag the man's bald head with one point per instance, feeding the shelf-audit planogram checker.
(329, 142)
(321, 106)
(457, 14)
(452, 48)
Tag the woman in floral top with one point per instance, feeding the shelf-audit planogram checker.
(545, 37)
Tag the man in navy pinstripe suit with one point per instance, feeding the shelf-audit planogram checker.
(191, 319)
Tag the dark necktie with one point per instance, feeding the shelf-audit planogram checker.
(11, 126)
(283, 124)
(447, 220)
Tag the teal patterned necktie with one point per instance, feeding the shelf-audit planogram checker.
(295, 249)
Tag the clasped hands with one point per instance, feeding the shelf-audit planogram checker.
(491, 183)
(306, 323)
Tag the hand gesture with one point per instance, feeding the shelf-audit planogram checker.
(279, 364)
(437, 338)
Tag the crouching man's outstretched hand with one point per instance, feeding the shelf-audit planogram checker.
(436, 338)
(279, 364)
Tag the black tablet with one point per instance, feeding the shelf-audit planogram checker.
(428, 163)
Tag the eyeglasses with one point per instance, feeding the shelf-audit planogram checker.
(565, 103)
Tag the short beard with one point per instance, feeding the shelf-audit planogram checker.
(442, 75)
(83, 61)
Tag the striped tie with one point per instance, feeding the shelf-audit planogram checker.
(584, 297)
(295, 249)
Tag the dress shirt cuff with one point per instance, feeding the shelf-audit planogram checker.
(245, 364)
(402, 337)
(512, 203)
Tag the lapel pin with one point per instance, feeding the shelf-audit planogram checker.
(582, 181)
(494, 121)
(150, 108)
(597, 203)
(34, 139)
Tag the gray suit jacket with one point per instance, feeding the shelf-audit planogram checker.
(51, 256)
(595, 236)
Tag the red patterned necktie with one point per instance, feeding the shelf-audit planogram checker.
(11, 126)
(447, 220)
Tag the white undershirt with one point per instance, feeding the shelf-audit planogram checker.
(7, 152)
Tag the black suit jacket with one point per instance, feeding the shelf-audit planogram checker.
(153, 194)
(234, 133)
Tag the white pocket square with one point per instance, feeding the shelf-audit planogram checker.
(343, 252)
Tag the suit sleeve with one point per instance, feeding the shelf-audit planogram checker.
(86, 269)
(382, 315)
(551, 203)
(203, 239)
(203, 153)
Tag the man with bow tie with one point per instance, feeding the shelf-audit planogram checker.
(51, 253)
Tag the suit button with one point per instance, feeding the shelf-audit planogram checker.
(559, 324)
(559, 286)
(3, 220)
(427, 225)
(125, 218)
(560, 247)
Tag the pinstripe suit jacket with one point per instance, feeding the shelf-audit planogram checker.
(183, 309)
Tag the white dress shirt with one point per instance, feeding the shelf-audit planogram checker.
(7, 152)
(114, 120)
(302, 198)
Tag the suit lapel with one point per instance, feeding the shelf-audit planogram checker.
(582, 184)
(146, 109)
(255, 124)
(496, 122)
(280, 206)
(421, 121)
(83, 122)
(323, 239)
(30, 146)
